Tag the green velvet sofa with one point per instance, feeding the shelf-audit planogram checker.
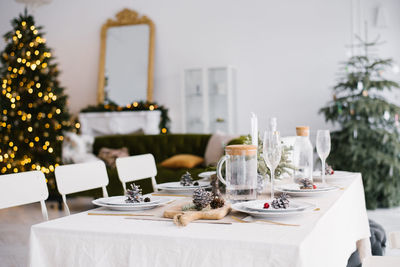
(161, 146)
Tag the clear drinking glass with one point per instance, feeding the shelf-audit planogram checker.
(272, 152)
(323, 149)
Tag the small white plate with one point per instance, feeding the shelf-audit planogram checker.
(337, 175)
(131, 208)
(120, 200)
(258, 205)
(294, 190)
(240, 207)
(176, 186)
(206, 174)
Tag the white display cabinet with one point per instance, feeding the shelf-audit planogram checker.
(208, 98)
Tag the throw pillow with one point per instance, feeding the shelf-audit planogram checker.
(76, 148)
(215, 147)
(182, 161)
(138, 132)
(109, 155)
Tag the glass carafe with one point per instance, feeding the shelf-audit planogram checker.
(303, 155)
(240, 172)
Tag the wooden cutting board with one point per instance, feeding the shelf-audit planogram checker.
(183, 218)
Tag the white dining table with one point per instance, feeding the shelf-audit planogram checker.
(325, 237)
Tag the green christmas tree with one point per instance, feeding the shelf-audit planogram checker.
(368, 140)
(32, 103)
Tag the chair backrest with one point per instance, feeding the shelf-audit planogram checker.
(136, 168)
(23, 188)
(74, 178)
(394, 240)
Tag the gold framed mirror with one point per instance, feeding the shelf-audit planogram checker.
(126, 59)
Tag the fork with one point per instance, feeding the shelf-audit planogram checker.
(266, 221)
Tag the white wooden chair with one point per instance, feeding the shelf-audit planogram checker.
(23, 188)
(137, 168)
(385, 261)
(80, 177)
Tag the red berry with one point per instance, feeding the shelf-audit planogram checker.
(314, 186)
(266, 205)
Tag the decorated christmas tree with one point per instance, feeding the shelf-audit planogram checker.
(368, 139)
(32, 103)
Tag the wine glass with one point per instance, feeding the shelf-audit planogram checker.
(272, 152)
(323, 149)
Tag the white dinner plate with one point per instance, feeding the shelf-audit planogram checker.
(206, 174)
(176, 186)
(120, 200)
(294, 189)
(258, 205)
(283, 214)
(132, 208)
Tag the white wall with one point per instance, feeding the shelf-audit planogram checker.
(286, 52)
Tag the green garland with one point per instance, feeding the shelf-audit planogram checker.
(135, 106)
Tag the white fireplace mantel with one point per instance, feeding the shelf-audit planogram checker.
(119, 122)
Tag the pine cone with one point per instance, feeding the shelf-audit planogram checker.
(306, 183)
(186, 179)
(281, 202)
(134, 195)
(217, 202)
(201, 198)
(328, 169)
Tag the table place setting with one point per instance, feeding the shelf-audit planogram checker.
(177, 187)
(132, 201)
(185, 185)
(263, 214)
(316, 189)
(336, 176)
(131, 206)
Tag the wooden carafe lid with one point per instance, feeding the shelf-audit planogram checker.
(302, 130)
(237, 150)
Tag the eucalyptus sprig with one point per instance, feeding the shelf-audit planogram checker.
(284, 166)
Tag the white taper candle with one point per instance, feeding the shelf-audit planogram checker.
(254, 129)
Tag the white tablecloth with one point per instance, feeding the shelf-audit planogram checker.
(325, 238)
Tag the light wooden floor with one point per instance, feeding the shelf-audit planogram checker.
(15, 225)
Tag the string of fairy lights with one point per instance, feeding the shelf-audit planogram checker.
(32, 117)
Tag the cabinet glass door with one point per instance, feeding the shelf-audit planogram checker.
(218, 100)
(194, 100)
